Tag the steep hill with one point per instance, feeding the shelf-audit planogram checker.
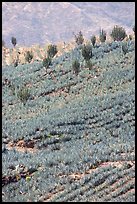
(44, 22)
(74, 139)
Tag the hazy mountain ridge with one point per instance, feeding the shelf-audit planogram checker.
(39, 23)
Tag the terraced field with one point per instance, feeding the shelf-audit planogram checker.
(74, 139)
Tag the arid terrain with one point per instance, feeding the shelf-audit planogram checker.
(68, 115)
(51, 22)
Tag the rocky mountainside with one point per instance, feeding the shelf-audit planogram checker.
(44, 22)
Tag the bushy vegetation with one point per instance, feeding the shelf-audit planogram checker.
(46, 62)
(118, 33)
(87, 52)
(74, 140)
(89, 64)
(29, 56)
(76, 66)
(23, 94)
(93, 40)
(102, 36)
(52, 51)
(130, 37)
(79, 39)
(125, 48)
(16, 62)
(13, 41)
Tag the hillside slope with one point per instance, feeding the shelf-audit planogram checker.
(35, 22)
(74, 139)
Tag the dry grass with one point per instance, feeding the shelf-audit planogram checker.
(9, 56)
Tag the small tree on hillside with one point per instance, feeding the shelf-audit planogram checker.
(118, 33)
(46, 62)
(79, 39)
(29, 56)
(23, 94)
(102, 36)
(87, 52)
(76, 66)
(13, 41)
(93, 40)
(89, 64)
(52, 51)
(124, 48)
(130, 37)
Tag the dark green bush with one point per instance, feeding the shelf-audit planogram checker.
(102, 36)
(89, 64)
(79, 39)
(87, 52)
(118, 33)
(23, 94)
(16, 63)
(46, 62)
(124, 48)
(93, 40)
(29, 56)
(13, 88)
(14, 41)
(52, 51)
(130, 37)
(76, 66)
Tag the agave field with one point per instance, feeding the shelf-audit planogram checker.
(74, 138)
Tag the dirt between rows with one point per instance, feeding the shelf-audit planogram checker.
(22, 146)
(78, 176)
(118, 164)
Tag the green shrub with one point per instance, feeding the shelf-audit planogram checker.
(130, 37)
(79, 39)
(76, 66)
(102, 36)
(87, 52)
(46, 62)
(89, 64)
(14, 41)
(124, 48)
(16, 63)
(118, 33)
(52, 51)
(93, 40)
(13, 88)
(23, 94)
(29, 56)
